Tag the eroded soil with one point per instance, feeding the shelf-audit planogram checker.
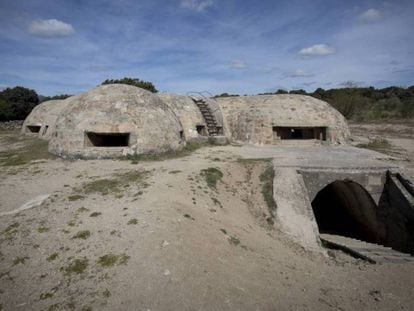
(189, 233)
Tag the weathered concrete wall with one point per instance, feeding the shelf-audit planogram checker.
(187, 112)
(44, 115)
(294, 215)
(397, 212)
(116, 108)
(317, 179)
(251, 118)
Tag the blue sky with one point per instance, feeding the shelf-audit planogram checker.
(235, 46)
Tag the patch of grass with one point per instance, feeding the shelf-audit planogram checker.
(174, 172)
(52, 257)
(187, 150)
(20, 260)
(95, 214)
(83, 209)
(72, 223)
(77, 266)
(43, 229)
(75, 197)
(116, 184)
(11, 229)
(266, 179)
(33, 149)
(377, 144)
(132, 221)
(54, 307)
(102, 186)
(84, 234)
(212, 176)
(110, 260)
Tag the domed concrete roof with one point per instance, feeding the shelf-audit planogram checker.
(114, 120)
(187, 111)
(42, 118)
(268, 119)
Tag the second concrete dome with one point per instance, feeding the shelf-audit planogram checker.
(115, 120)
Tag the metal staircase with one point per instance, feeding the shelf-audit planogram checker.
(202, 103)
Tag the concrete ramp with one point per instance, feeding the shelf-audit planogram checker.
(373, 253)
(294, 211)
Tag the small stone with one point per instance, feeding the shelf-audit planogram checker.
(167, 272)
(164, 244)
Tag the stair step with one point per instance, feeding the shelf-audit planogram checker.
(368, 251)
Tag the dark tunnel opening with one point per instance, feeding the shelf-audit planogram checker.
(345, 208)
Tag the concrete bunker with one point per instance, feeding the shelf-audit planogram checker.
(275, 119)
(42, 118)
(191, 118)
(116, 120)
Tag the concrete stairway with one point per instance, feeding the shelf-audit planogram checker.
(373, 253)
(208, 116)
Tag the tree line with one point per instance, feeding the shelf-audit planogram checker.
(355, 103)
(16, 103)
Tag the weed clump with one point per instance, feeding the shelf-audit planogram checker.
(95, 214)
(20, 260)
(84, 234)
(377, 144)
(212, 176)
(52, 257)
(110, 260)
(266, 179)
(132, 221)
(75, 197)
(116, 184)
(77, 266)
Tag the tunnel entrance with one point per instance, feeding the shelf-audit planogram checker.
(33, 128)
(106, 139)
(345, 208)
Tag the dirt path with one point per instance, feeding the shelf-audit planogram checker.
(189, 233)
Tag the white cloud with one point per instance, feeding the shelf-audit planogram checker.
(50, 28)
(317, 50)
(238, 64)
(298, 73)
(370, 16)
(196, 5)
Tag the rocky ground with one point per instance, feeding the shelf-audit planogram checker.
(182, 233)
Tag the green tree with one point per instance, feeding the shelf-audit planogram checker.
(20, 100)
(133, 81)
(6, 111)
(61, 96)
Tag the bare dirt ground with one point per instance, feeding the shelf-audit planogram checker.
(398, 133)
(188, 233)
